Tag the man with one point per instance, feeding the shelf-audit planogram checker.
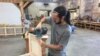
(60, 31)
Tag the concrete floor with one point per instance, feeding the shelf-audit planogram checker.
(82, 43)
(12, 46)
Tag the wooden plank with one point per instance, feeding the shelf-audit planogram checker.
(27, 54)
(44, 38)
(34, 47)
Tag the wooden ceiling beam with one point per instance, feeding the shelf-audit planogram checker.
(26, 4)
(14, 1)
(11, 1)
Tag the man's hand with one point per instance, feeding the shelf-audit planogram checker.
(42, 43)
(31, 29)
(51, 46)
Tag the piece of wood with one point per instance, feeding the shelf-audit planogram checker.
(44, 38)
(27, 54)
(21, 4)
(34, 48)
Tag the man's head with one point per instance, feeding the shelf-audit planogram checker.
(60, 14)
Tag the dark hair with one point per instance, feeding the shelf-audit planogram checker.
(63, 12)
(67, 18)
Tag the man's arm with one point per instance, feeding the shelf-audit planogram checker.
(51, 46)
(47, 20)
(62, 43)
(54, 47)
(40, 23)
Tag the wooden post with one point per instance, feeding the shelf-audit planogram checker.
(26, 4)
(21, 4)
(27, 41)
(15, 31)
(5, 30)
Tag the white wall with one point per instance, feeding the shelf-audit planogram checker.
(33, 10)
(37, 6)
(41, 6)
(9, 14)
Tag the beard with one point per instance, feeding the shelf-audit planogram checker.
(58, 22)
